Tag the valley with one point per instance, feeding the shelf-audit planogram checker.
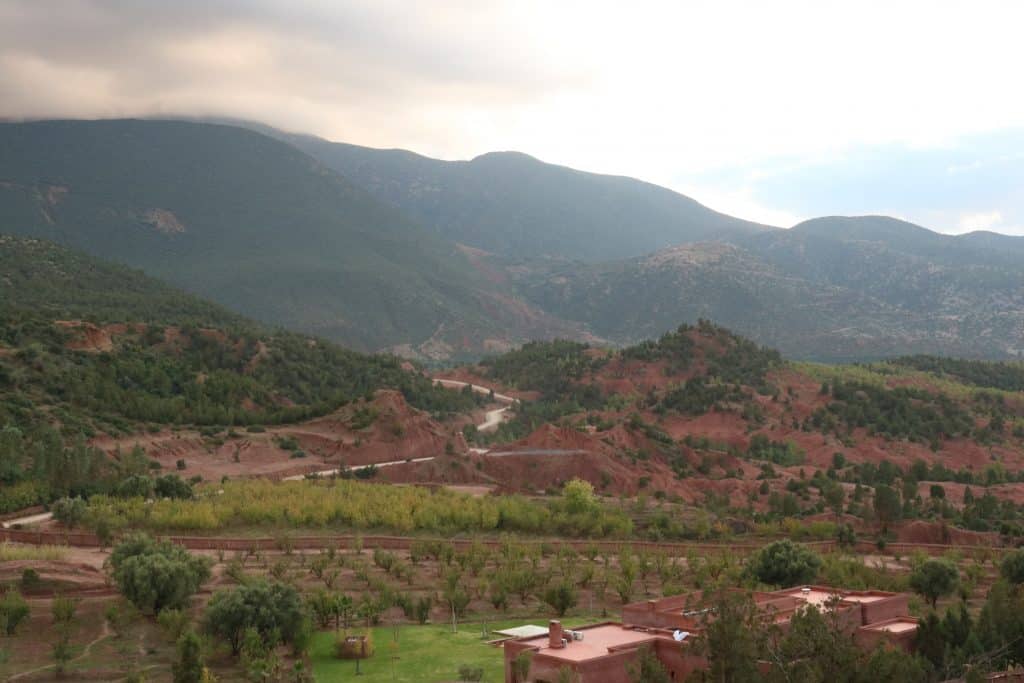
(506, 434)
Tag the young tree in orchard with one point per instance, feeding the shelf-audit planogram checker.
(934, 578)
(189, 667)
(561, 597)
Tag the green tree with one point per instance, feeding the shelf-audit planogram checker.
(274, 610)
(887, 506)
(934, 578)
(834, 496)
(734, 635)
(189, 667)
(815, 647)
(155, 576)
(886, 664)
(784, 563)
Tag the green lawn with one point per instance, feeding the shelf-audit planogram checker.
(422, 654)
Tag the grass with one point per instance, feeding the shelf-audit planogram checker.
(10, 552)
(424, 654)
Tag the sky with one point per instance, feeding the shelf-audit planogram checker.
(772, 111)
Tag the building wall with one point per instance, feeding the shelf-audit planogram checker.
(889, 608)
(869, 639)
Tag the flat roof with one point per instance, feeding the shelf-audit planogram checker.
(596, 641)
(897, 625)
(818, 597)
(526, 631)
(854, 597)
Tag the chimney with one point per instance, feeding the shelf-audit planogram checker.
(555, 634)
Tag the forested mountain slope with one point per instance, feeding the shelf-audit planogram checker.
(256, 225)
(515, 205)
(834, 289)
(89, 346)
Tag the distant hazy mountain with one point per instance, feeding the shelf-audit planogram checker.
(514, 205)
(830, 289)
(256, 225)
(389, 249)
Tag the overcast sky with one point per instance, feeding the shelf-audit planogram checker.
(773, 111)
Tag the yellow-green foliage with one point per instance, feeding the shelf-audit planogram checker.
(355, 646)
(852, 571)
(356, 505)
(10, 552)
(880, 374)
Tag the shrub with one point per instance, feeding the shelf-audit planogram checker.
(172, 486)
(30, 579)
(174, 622)
(356, 646)
(470, 674)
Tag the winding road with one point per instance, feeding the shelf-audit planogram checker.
(492, 418)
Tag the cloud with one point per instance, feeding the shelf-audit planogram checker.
(980, 221)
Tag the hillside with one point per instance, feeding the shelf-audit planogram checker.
(515, 205)
(257, 226)
(836, 289)
(578, 246)
(91, 352)
(704, 417)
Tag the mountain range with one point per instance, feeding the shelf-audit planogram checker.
(386, 249)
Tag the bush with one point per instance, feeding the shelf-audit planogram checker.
(356, 646)
(784, 563)
(172, 486)
(470, 674)
(30, 579)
